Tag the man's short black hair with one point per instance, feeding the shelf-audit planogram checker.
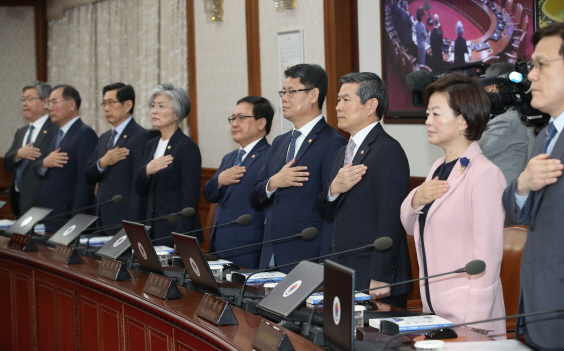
(312, 76)
(262, 108)
(70, 93)
(124, 92)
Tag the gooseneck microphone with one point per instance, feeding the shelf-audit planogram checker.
(556, 310)
(116, 199)
(380, 244)
(306, 234)
(242, 221)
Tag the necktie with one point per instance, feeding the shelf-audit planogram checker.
(112, 139)
(349, 152)
(292, 149)
(23, 164)
(59, 138)
(239, 158)
(550, 133)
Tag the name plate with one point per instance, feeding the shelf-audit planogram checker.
(270, 337)
(113, 270)
(66, 255)
(215, 310)
(161, 287)
(22, 242)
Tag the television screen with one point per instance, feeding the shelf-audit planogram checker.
(436, 35)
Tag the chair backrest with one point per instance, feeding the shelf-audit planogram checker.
(509, 7)
(521, 48)
(518, 15)
(491, 59)
(207, 233)
(514, 238)
(525, 23)
(425, 68)
(414, 297)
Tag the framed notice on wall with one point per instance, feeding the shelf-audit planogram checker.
(290, 53)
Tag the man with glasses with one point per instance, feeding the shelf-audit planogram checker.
(30, 142)
(230, 186)
(117, 158)
(536, 198)
(63, 164)
(297, 169)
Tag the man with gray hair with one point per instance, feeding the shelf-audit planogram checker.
(460, 46)
(29, 143)
(436, 47)
(369, 180)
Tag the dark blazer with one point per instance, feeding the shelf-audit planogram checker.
(291, 210)
(436, 50)
(542, 273)
(28, 195)
(233, 201)
(173, 188)
(65, 189)
(460, 48)
(118, 179)
(371, 210)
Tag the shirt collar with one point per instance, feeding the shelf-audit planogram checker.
(359, 137)
(249, 147)
(558, 122)
(119, 129)
(67, 126)
(38, 124)
(309, 126)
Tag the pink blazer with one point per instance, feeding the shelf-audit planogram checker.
(464, 224)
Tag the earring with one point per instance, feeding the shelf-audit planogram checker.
(461, 132)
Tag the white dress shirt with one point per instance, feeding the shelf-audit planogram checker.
(248, 148)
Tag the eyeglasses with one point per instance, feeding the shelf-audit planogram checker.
(53, 102)
(109, 103)
(238, 118)
(290, 93)
(539, 64)
(29, 99)
(158, 107)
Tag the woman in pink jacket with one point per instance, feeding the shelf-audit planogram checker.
(456, 215)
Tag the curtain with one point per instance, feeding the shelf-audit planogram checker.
(138, 42)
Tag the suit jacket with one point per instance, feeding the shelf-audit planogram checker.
(460, 48)
(174, 188)
(291, 210)
(436, 50)
(31, 183)
(118, 179)
(65, 189)
(542, 273)
(464, 224)
(233, 201)
(371, 210)
(506, 144)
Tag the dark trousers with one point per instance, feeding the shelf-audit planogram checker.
(398, 301)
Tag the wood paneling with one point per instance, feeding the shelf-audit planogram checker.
(6, 331)
(88, 323)
(253, 47)
(45, 311)
(138, 325)
(192, 83)
(65, 320)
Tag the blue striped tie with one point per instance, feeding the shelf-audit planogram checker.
(292, 150)
(239, 158)
(59, 138)
(550, 133)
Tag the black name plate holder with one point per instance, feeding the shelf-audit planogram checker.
(66, 255)
(161, 287)
(270, 337)
(112, 269)
(22, 242)
(215, 310)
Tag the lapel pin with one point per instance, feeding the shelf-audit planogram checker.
(362, 152)
(44, 132)
(168, 147)
(309, 141)
(253, 156)
(125, 136)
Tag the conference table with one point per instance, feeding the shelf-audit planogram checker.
(47, 305)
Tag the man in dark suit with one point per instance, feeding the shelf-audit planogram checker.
(536, 198)
(436, 47)
(63, 164)
(369, 181)
(29, 143)
(296, 169)
(117, 158)
(230, 186)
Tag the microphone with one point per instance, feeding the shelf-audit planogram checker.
(306, 234)
(556, 310)
(117, 199)
(243, 221)
(472, 268)
(380, 244)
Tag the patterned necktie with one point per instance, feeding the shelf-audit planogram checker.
(111, 142)
(239, 158)
(349, 152)
(59, 138)
(23, 164)
(550, 133)
(292, 150)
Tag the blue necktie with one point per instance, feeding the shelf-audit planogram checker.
(59, 138)
(23, 164)
(550, 133)
(292, 150)
(239, 158)
(111, 142)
